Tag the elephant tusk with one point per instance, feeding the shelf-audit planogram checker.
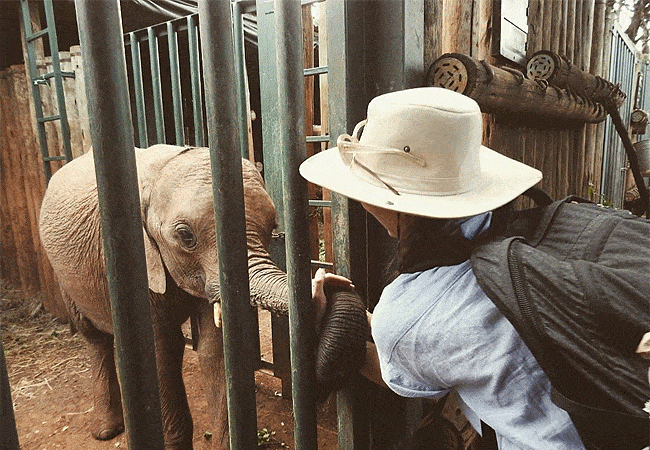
(216, 308)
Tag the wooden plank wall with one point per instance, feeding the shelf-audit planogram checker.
(22, 180)
(570, 158)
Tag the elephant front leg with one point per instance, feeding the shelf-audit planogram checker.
(108, 421)
(170, 344)
(210, 351)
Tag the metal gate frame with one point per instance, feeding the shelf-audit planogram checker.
(622, 69)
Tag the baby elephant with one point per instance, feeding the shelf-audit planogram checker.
(179, 234)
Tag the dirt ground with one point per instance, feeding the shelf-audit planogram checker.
(49, 374)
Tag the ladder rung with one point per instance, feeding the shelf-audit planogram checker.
(54, 158)
(38, 34)
(48, 119)
(315, 71)
(320, 203)
(48, 75)
(323, 138)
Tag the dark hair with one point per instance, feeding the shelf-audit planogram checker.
(429, 243)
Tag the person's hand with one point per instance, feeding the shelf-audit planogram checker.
(318, 283)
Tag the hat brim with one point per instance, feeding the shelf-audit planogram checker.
(502, 179)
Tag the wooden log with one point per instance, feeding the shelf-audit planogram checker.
(562, 28)
(34, 178)
(69, 90)
(547, 28)
(556, 25)
(19, 210)
(80, 97)
(593, 134)
(9, 262)
(588, 10)
(571, 30)
(457, 23)
(557, 71)
(482, 30)
(535, 15)
(506, 92)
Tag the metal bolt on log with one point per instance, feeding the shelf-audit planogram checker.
(506, 90)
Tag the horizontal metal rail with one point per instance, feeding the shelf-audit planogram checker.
(323, 264)
(317, 138)
(47, 76)
(54, 158)
(315, 71)
(48, 118)
(320, 203)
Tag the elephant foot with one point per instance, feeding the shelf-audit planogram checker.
(107, 429)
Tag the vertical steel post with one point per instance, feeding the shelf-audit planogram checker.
(195, 74)
(223, 136)
(296, 209)
(175, 75)
(154, 61)
(136, 62)
(240, 75)
(9, 434)
(102, 43)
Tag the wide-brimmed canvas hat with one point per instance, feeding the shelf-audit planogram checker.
(419, 152)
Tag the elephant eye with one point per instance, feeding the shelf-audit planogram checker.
(186, 236)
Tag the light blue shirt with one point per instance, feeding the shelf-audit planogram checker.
(437, 331)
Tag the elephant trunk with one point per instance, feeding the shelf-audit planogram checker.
(268, 284)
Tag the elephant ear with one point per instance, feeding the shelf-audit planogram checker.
(155, 269)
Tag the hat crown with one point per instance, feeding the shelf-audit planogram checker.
(438, 127)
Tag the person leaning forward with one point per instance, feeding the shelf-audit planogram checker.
(417, 165)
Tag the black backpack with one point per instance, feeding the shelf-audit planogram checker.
(574, 279)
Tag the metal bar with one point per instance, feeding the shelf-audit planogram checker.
(240, 76)
(154, 62)
(160, 29)
(177, 98)
(321, 138)
(320, 203)
(315, 71)
(48, 118)
(215, 21)
(9, 435)
(49, 75)
(37, 35)
(301, 308)
(238, 10)
(58, 80)
(195, 74)
(36, 94)
(323, 264)
(136, 62)
(102, 43)
(55, 158)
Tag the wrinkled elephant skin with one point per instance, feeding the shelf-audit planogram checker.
(180, 244)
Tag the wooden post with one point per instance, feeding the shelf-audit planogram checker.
(593, 135)
(81, 100)
(9, 268)
(433, 26)
(457, 38)
(76, 142)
